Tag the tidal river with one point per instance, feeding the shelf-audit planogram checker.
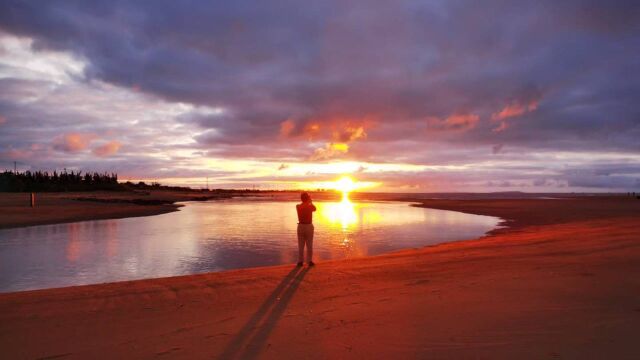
(216, 236)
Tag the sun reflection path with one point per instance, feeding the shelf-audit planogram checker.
(341, 213)
(346, 212)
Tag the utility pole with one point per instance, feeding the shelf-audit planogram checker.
(15, 167)
(207, 183)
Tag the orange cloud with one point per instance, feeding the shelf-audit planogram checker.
(514, 109)
(342, 135)
(287, 127)
(73, 142)
(455, 122)
(311, 130)
(349, 133)
(330, 150)
(107, 149)
(338, 132)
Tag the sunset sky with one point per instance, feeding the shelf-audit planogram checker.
(412, 96)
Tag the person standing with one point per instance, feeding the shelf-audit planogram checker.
(305, 228)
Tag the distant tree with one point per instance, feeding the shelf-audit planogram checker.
(64, 181)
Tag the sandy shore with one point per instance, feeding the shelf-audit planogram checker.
(563, 282)
(54, 208)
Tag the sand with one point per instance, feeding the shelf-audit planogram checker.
(562, 282)
(55, 208)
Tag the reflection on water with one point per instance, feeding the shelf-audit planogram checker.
(343, 213)
(216, 236)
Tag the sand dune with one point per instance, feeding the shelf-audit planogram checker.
(562, 282)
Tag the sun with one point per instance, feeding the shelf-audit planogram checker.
(345, 185)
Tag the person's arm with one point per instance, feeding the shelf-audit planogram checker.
(313, 207)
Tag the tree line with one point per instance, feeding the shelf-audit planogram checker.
(43, 181)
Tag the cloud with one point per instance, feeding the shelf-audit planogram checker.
(107, 149)
(349, 133)
(525, 102)
(287, 127)
(514, 109)
(338, 133)
(73, 142)
(303, 129)
(11, 154)
(510, 111)
(455, 122)
(602, 182)
(426, 83)
(329, 151)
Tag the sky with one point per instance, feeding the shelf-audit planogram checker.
(406, 96)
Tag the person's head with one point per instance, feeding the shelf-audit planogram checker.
(305, 197)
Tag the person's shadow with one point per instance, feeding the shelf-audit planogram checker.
(255, 332)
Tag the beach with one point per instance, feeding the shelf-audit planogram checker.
(560, 280)
(64, 207)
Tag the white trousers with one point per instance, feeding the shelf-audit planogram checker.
(305, 237)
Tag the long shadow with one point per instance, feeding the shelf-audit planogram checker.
(252, 335)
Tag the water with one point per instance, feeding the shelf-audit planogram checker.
(215, 236)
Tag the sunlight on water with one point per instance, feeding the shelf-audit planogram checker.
(342, 213)
(215, 236)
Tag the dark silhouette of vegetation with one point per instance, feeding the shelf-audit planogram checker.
(43, 181)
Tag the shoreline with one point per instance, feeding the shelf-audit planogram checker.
(254, 200)
(67, 207)
(562, 281)
(62, 208)
(120, 214)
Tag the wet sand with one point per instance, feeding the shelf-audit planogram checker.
(563, 281)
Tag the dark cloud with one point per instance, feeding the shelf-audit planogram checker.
(379, 81)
